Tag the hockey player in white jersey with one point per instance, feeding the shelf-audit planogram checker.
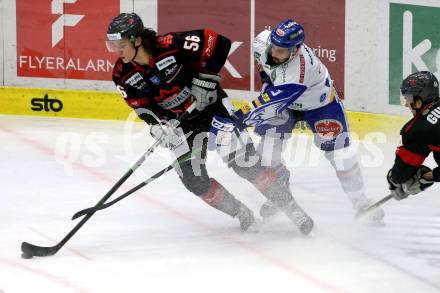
(297, 87)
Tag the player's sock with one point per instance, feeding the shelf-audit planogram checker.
(221, 199)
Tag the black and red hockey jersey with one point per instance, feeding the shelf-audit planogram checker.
(163, 86)
(420, 137)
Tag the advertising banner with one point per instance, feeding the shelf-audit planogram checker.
(324, 28)
(414, 44)
(2, 69)
(64, 38)
(228, 17)
(63, 103)
(61, 43)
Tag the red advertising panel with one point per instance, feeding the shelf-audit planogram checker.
(230, 18)
(324, 26)
(64, 38)
(324, 23)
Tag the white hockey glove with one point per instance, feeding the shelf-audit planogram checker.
(166, 133)
(171, 137)
(265, 86)
(412, 186)
(204, 90)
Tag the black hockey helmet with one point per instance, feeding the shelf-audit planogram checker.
(125, 26)
(421, 84)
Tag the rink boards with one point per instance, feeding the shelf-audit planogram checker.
(105, 105)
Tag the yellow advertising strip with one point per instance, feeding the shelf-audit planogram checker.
(63, 103)
(111, 106)
(363, 123)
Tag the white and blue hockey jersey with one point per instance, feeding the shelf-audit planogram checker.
(304, 68)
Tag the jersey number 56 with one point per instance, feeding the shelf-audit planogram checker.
(191, 43)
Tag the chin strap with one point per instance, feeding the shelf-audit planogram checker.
(135, 54)
(422, 108)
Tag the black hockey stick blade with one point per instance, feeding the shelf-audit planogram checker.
(373, 206)
(31, 250)
(182, 159)
(86, 211)
(110, 203)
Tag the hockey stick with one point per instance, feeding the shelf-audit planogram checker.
(373, 206)
(30, 250)
(184, 158)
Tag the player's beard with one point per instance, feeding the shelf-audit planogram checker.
(278, 61)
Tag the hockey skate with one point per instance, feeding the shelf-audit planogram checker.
(268, 211)
(280, 199)
(247, 220)
(375, 217)
(299, 217)
(221, 199)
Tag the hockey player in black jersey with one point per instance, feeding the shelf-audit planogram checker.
(420, 137)
(160, 77)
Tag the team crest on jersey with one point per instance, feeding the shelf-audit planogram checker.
(155, 80)
(328, 128)
(266, 112)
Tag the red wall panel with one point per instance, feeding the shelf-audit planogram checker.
(80, 53)
(324, 26)
(228, 17)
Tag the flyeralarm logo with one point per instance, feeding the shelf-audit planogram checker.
(64, 38)
(57, 8)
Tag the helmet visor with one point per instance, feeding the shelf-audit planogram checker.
(117, 45)
(404, 98)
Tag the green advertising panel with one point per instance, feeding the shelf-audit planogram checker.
(414, 43)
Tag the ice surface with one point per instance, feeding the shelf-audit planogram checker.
(164, 239)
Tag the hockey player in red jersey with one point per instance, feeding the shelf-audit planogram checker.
(160, 77)
(420, 137)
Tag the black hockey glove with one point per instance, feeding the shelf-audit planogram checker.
(265, 81)
(412, 186)
(204, 90)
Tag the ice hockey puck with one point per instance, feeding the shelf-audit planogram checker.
(26, 256)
